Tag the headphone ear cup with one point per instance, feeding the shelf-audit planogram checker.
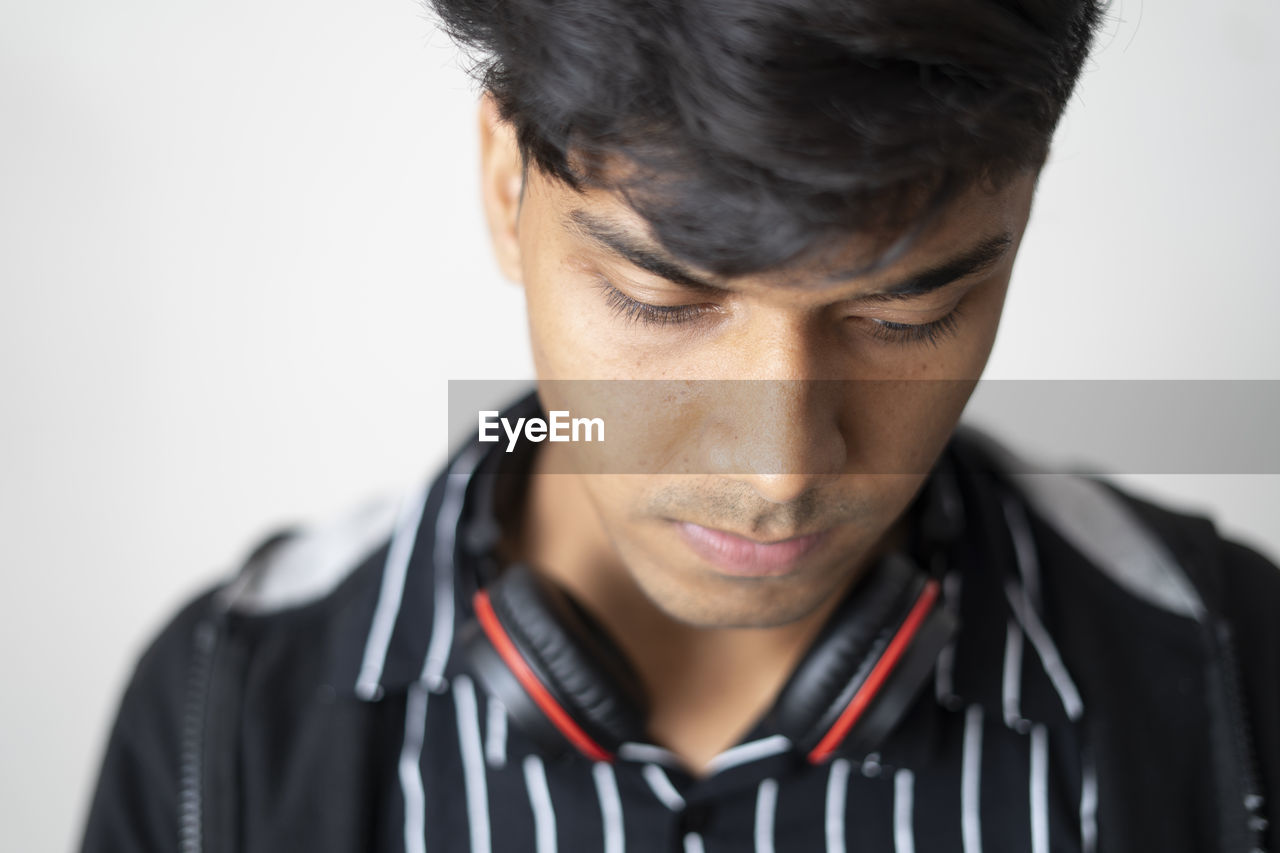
(561, 677)
(867, 664)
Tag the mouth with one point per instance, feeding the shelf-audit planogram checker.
(740, 556)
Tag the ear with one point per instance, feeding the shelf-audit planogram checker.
(502, 180)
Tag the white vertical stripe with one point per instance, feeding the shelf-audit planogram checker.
(1024, 548)
(971, 781)
(610, 807)
(544, 816)
(473, 772)
(662, 787)
(1011, 687)
(446, 534)
(1088, 804)
(766, 806)
(1049, 657)
(1039, 789)
(410, 770)
(390, 594)
(495, 738)
(693, 843)
(904, 793)
(837, 790)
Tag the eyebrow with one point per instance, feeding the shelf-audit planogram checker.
(612, 237)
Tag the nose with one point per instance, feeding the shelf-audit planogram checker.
(780, 431)
(780, 436)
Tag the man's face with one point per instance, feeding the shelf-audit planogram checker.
(783, 486)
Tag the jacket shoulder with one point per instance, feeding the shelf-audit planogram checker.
(1242, 569)
(294, 589)
(299, 567)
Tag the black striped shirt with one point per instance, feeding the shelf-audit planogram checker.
(1110, 688)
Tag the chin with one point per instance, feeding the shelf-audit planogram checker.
(723, 603)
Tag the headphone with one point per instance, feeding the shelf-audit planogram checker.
(566, 683)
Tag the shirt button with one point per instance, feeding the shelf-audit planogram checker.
(695, 818)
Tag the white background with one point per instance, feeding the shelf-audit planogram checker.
(241, 253)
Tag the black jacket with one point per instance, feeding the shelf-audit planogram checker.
(236, 731)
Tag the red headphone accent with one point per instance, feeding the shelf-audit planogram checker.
(879, 673)
(516, 663)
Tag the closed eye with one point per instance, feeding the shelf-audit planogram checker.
(646, 313)
(637, 312)
(932, 333)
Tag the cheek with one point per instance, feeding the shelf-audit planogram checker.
(896, 428)
(557, 334)
(618, 504)
(569, 334)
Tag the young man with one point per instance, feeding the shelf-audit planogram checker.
(787, 605)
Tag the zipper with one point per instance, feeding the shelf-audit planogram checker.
(191, 793)
(1242, 742)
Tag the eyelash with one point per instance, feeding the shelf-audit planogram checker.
(634, 311)
(931, 333)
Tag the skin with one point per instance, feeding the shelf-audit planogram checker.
(767, 461)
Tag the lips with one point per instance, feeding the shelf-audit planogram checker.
(740, 556)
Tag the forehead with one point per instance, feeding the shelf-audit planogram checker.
(978, 213)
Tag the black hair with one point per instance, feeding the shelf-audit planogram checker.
(749, 132)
